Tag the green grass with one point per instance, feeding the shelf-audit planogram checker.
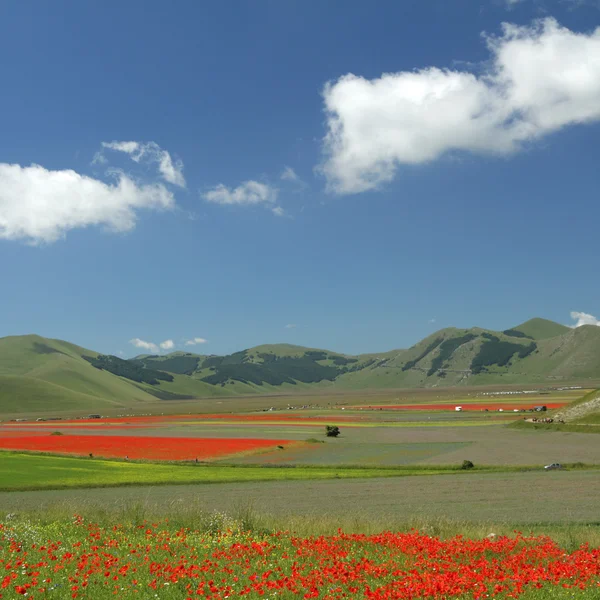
(592, 427)
(354, 452)
(20, 471)
(541, 329)
(194, 515)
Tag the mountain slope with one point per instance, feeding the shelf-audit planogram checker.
(36, 372)
(540, 329)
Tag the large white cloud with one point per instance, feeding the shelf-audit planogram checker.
(540, 78)
(582, 318)
(167, 345)
(149, 152)
(249, 192)
(39, 205)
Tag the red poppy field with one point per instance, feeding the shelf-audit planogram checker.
(137, 447)
(77, 559)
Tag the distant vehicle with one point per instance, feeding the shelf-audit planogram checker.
(540, 408)
(94, 416)
(553, 466)
(458, 408)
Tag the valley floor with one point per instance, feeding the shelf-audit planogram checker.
(529, 497)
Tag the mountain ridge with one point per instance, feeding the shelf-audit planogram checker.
(37, 371)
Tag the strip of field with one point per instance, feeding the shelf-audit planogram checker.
(499, 498)
(28, 471)
(45, 472)
(154, 448)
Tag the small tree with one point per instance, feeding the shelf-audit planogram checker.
(467, 464)
(332, 430)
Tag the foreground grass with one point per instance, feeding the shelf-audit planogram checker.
(21, 472)
(137, 554)
(248, 515)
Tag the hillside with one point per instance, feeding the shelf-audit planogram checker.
(539, 329)
(37, 372)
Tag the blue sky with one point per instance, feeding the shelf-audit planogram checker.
(347, 175)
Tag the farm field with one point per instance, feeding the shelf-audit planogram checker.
(418, 432)
(395, 467)
(138, 447)
(31, 471)
(508, 499)
(81, 559)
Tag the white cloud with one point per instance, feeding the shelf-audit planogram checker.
(248, 193)
(289, 175)
(541, 78)
(290, 326)
(511, 3)
(584, 319)
(39, 205)
(432, 320)
(278, 211)
(144, 345)
(148, 152)
(167, 345)
(195, 341)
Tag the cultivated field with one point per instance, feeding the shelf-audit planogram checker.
(238, 480)
(423, 429)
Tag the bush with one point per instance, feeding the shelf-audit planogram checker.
(57, 433)
(332, 430)
(467, 464)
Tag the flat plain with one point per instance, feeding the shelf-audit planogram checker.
(386, 435)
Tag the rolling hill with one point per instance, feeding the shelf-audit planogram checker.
(38, 374)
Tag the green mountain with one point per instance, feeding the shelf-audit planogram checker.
(43, 374)
(540, 329)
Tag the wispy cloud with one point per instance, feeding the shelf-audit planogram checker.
(39, 205)
(289, 174)
(148, 153)
(248, 193)
(291, 326)
(540, 78)
(278, 211)
(582, 318)
(196, 341)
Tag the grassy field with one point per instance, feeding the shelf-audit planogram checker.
(512, 497)
(220, 556)
(41, 472)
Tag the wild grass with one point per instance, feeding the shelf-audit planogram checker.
(246, 516)
(21, 472)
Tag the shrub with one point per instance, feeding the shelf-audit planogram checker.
(57, 433)
(332, 430)
(467, 464)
